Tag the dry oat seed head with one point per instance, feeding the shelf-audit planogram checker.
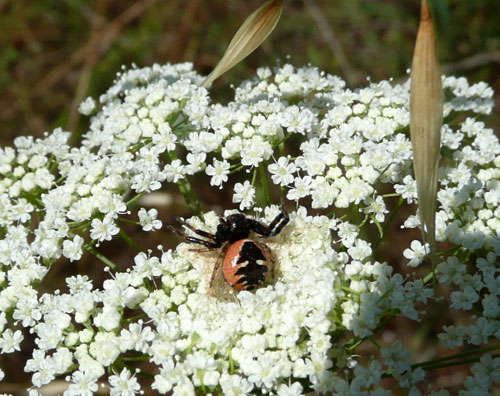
(249, 36)
(426, 119)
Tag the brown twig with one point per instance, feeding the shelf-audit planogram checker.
(177, 50)
(85, 73)
(97, 44)
(472, 62)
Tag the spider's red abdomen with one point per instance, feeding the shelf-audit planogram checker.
(246, 264)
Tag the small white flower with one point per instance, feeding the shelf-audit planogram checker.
(148, 219)
(72, 249)
(396, 356)
(103, 230)
(83, 384)
(11, 341)
(301, 189)
(136, 337)
(416, 253)
(463, 300)
(124, 384)
(219, 172)
(196, 162)
(294, 389)
(105, 348)
(174, 171)
(453, 337)
(87, 106)
(408, 190)
(244, 194)
(282, 171)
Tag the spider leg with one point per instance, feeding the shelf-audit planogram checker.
(195, 230)
(202, 250)
(208, 244)
(283, 215)
(217, 265)
(279, 222)
(274, 227)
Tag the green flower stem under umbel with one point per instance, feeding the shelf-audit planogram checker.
(451, 360)
(103, 258)
(394, 212)
(189, 196)
(133, 199)
(187, 191)
(129, 240)
(263, 182)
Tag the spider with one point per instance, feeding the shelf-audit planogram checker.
(245, 261)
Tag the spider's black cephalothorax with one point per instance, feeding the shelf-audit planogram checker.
(234, 228)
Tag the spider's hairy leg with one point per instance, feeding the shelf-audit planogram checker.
(195, 230)
(217, 265)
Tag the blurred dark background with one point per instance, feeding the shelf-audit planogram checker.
(53, 54)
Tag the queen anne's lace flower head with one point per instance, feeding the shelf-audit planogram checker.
(156, 127)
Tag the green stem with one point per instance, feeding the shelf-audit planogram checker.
(451, 250)
(374, 343)
(263, 182)
(129, 240)
(394, 213)
(188, 195)
(355, 345)
(363, 222)
(281, 148)
(450, 364)
(231, 362)
(200, 377)
(353, 211)
(129, 221)
(390, 316)
(450, 361)
(82, 227)
(193, 196)
(379, 227)
(348, 290)
(135, 318)
(478, 351)
(429, 276)
(133, 199)
(136, 358)
(103, 258)
(187, 191)
(254, 177)
(236, 169)
(388, 223)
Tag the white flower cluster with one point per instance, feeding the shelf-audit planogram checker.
(202, 338)
(156, 126)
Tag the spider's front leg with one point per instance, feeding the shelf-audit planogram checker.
(211, 243)
(195, 230)
(274, 228)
